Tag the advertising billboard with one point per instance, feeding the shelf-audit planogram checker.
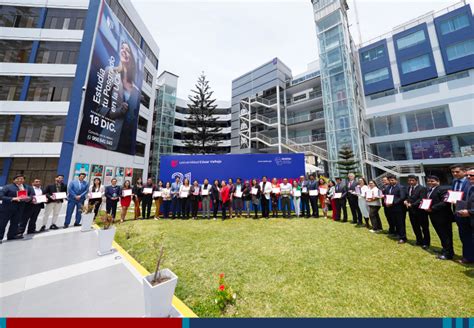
(113, 90)
(248, 166)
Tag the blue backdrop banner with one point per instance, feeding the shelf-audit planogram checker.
(248, 166)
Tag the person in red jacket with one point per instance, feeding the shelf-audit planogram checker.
(225, 198)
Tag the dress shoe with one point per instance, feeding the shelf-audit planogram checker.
(16, 237)
(425, 246)
(1, 242)
(53, 227)
(66, 226)
(33, 232)
(465, 261)
(401, 241)
(77, 224)
(444, 257)
(43, 228)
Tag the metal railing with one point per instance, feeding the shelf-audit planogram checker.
(262, 101)
(305, 118)
(312, 95)
(264, 119)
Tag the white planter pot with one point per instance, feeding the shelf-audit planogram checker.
(86, 222)
(106, 237)
(158, 298)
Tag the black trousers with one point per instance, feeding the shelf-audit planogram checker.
(96, 203)
(355, 210)
(341, 207)
(444, 229)
(185, 207)
(421, 226)
(466, 234)
(392, 226)
(305, 211)
(399, 216)
(147, 201)
(225, 207)
(265, 207)
(215, 207)
(111, 207)
(14, 215)
(314, 206)
(375, 217)
(30, 215)
(286, 206)
(195, 207)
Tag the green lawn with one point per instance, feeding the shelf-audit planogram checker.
(303, 268)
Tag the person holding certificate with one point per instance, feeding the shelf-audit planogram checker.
(441, 215)
(353, 199)
(247, 197)
(231, 195)
(266, 189)
(112, 196)
(418, 217)
(392, 228)
(147, 200)
(166, 192)
(137, 197)
(459, 190)
(466, 212)
(175, 200)
(32, 209)
(14, 198)
(394, 200)
(305, 211)
(125, 199)
(330, 198)
(77, 191)
(255, 191)
(95, 190)
(323, 191)
(206, 199)
(313, 192)
(215, 197)
(194, 197)
(184, 198)
(158, 198)
(296, 194)
(53, 205)
(225, 198)
(373, 196)
(362, 202)
(340, 196)
(237, 198)
(275, 196)
(285, 192)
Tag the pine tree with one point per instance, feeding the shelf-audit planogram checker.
(346, 163)
(205, 134)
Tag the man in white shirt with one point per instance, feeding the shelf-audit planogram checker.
(285, 191)
(32, 210)
(266, 189)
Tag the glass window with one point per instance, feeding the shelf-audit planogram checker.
(148, 77)
(332, 40)
(415, 64)
(58, 52)
(376, 76)
(44, 169)
(6, 124)
(411, 39)
(11, 16)
(14, 51)
(145, 100)
(140, 149)
(394, 124)
(454, 24)
(10, 87)
(65, 19)
(461, 49)
(440, 118)
(334, 57)
(42, 128)
(373, 54)
(440, 147)
(434, 118)
(142, 123)
(49, 88)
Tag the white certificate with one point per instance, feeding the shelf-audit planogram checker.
(238, 194)
(304, 189)
(388, 199)
(337, 195)
(425, 204)
(40, 199)
(276, 190)
(205, 192)
(369, 194)
(126, 192)
(323, 191)
(297, 193)
(313, 192)
(147, 191)
(95, 195)
(59, 195)
(183, 194)
(454, 196)
(254, 191)
(157, 194)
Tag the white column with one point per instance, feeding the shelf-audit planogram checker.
(278, 118)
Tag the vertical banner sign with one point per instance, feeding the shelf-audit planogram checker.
(113, 90)
(81, 168)
(109, 174)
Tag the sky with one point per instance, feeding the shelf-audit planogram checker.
(227, 38)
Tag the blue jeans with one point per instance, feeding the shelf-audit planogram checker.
(176, 207)
(71, 204)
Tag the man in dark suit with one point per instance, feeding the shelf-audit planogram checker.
(313, 200)
(397, 209)
(32, 210)
(13, 205)
(353, 199)
(461, 183)
(53, 205)
(468, 213)
(418, 217)
(392, 227)
(341, 202)
(441, 216)
(112, 196)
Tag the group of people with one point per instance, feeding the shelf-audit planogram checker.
(22, 203)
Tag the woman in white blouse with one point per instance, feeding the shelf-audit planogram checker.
(373, 201)
(96, 187)
(364, 208)
(185, 199)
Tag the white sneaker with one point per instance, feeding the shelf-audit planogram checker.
(372, 230)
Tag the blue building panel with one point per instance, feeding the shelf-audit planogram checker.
(370, 64)
(454, 28)
(406, 54)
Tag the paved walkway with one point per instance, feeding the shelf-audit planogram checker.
(59, 274)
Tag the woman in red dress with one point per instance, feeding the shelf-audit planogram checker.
(125, 200)
(225, 198)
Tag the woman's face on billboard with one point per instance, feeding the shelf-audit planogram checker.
(125, 54)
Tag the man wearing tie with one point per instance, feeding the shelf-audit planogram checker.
(77, 191)
(14, 198)
(313, 200)
(441, 216)
(468, 213)
(32, 210)
(175, 201)
(112, 195)
(462, 184)
(397, 209)
(266, 189)
(341, 202)
(392, 228)
(418, 217)
(53, 205)
(353, 199)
